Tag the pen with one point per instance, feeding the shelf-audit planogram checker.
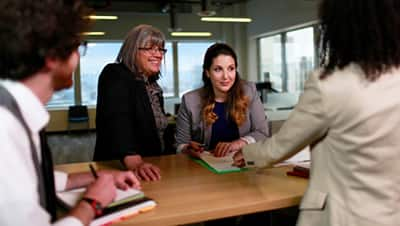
(93, 171)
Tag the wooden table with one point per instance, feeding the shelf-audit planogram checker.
(189, 193)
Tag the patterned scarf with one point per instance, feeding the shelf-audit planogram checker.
(155, 94)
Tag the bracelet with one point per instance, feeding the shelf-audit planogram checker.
(96, 205)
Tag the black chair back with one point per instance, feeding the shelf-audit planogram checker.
(263, 88)
(78, 113)
(78, 118)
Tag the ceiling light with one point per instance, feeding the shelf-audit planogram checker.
(191, 34)
(97, 17)
(227, 19)
(94, 33)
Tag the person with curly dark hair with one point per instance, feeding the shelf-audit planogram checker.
(39, 43)
(225, 114)
(350, 114)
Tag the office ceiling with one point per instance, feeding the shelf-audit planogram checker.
(160, 6)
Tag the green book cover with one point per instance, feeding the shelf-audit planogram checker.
(218, 165)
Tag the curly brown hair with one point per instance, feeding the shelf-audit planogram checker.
(30, 31)
(363, 32)
(237, 102)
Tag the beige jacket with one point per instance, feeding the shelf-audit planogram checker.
(354, 125)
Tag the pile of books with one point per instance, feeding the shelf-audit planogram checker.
(300, 170)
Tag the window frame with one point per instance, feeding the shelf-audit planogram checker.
(77, 88)
(176, 60)
(283, 35)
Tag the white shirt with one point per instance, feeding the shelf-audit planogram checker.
(19, 196)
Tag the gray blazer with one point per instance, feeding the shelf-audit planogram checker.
(355, 160)
(191, 127)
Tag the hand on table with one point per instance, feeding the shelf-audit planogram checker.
(148, 172)
(194, 149)
(143, 170)
(225, 148)
(238, 159)
(124, 179)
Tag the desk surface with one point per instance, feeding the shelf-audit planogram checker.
(189, 193)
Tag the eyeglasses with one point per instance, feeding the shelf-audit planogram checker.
(83, 48)
(154, 50)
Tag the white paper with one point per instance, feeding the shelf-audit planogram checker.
(220, 164)
(301, 156)
(71, 197)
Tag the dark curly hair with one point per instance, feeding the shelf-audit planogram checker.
(32, 30)
(365, 32)
(237, 102)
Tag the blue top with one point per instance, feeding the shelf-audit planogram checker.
(223, 129)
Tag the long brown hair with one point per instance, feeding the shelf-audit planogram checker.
(236, 103)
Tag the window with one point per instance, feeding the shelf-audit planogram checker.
(299, 57)
(62, 98)
(286, 59)
(271, 61)
(98, 55)
(167, 72)
(190, 61)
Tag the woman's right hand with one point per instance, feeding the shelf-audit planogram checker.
(144, 170)
(148, 172)
(194, 149)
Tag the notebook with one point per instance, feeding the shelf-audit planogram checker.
(218, 165)
(126, 203)
(71, 197)
(124, 211)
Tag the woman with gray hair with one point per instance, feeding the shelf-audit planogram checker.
(130, 117)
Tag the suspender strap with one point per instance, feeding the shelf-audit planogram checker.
(46, 186)
(48, 176)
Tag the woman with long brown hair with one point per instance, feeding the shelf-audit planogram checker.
(225, 114)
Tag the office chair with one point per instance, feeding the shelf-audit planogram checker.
(78, 115)
(263, 88)
(176, 108)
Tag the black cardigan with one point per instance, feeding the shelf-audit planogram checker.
(125, 121)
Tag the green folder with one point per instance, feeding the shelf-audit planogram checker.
(212, 169)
